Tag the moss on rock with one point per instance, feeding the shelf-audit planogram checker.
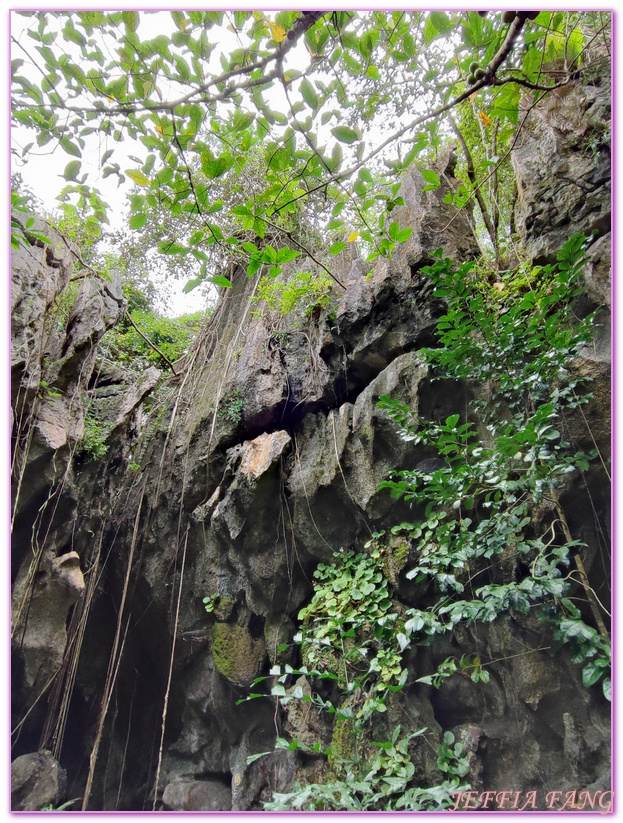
(343, 742)
(237, 656)
(395, 558)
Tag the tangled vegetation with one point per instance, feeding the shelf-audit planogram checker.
(301, 294)
(220, 173)
(520, 344)
(223, 178)
(171, 335)
(494, 496)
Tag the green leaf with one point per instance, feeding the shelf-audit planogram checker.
(441, 22)
(431, 177)
(591, 674)
(336, 248)
(253, 757)
(137, 177)
(345, 134)
(131, 19)
(242, 120)
(192, 284)
(70, 147)
(171, 248)
(607, 689)
(411, 155)
(219, 280)
(216, 167)
(71, 170)
(137, 221)
(309, 94)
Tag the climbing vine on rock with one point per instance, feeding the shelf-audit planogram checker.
(481, 504)
(352, 636)
(351, 628)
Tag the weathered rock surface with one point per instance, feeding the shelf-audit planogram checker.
(40, 614)
(562, 168)
(260, 460)
(37, 782)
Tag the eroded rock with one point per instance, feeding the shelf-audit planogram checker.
(37, 782)
(40, 614)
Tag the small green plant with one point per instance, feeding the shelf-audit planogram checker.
(46, 391)
(231, 409)
(61, 808)
(172, 335)
(210, 602)
(352, 629)
(382, 783)
(134, 467)
(93, 441)
(352, 634)
(20, 203)
(452, 758)
(302, 294)
(468, 665)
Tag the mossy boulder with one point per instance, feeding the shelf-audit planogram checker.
(343, 743)
(395, 557)
(237, 655)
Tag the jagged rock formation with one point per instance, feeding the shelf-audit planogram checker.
(259, 460)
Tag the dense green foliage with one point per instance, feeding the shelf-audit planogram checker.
(93, 441)
(172, 336)
(381, 783)
(223, 175)
(216, 164)
(351, 629)
(520, 344)
(302, 294)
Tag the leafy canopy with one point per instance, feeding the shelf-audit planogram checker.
(362, 94)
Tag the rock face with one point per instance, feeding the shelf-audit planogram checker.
(37, 782)
(562, 168)
(171, 588)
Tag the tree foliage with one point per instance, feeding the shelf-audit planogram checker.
(361, 96)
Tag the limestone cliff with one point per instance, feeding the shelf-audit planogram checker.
(233, 479)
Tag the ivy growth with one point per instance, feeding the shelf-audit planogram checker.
(351, 628)
(231, 408)
(383, 784)
(352, 635)
(479, 505)
(173, 336)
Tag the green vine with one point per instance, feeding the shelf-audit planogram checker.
(93, 441)
(479, 504)
(351, 628)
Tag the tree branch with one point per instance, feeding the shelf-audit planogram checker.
(472, 179)
(487, 80)
(128, 316)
